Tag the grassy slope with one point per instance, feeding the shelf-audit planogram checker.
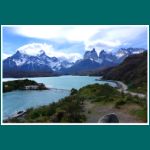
(72, 108)
(133, 71)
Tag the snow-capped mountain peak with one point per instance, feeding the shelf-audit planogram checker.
(34, 53)
(23, 60)
(41, 52)
(91, 54)
(41, 62)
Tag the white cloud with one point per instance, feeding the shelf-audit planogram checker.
(102, 44)
(115, 36)
(4, 56)
(69, 32)
(35, 48)
(43, 32)
(76, 32)
(106, 37)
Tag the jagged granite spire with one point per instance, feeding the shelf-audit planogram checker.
(91, 54)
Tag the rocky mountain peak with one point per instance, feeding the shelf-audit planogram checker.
(93, 50)
(91, 54)
(42, 52)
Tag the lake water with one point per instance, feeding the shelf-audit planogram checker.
(20, 100)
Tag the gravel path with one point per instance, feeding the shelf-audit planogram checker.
(94, 111)
(124, 88)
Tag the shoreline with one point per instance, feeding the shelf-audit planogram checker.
(14, 115)
(40, 90)
(122, 87)
(93, 111)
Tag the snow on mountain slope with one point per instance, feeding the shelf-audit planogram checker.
(41, 62)
(21, 59)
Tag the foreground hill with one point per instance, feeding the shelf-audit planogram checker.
(88, 105)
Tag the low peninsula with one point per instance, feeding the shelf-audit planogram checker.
(25, 84)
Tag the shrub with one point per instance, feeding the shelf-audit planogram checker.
(73, 91)
(119, 103)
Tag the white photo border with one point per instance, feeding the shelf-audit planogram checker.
(147, 123)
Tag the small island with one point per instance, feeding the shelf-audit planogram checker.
(22, 85)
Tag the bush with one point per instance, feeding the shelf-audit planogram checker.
(73, 91)
(119, 103)
(71, 108)
(142, 113)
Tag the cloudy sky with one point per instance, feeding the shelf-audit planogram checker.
(71, 41)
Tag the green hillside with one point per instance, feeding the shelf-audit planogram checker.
(81, 103)
(133, 72)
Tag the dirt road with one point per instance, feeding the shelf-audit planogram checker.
(124, 88)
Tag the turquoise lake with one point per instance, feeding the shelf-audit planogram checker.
(60, 87)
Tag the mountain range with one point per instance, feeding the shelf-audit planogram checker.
(24, 65)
